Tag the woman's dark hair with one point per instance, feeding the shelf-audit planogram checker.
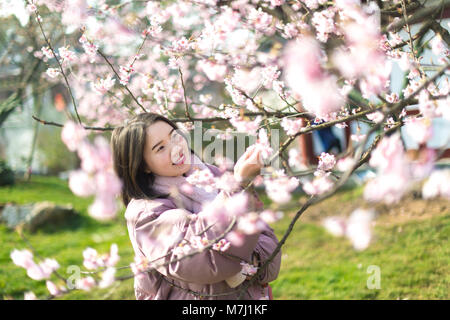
(128, 144)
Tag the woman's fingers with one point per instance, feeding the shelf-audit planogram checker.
(254, 159)
(249, 151)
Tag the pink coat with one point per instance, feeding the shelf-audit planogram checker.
(205, 272)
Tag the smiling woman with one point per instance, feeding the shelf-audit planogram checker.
(165, 151)
(167, 217)
(144, 147)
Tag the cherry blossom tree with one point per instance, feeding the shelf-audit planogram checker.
(245, 66)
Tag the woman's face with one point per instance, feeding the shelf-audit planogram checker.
(166, 152)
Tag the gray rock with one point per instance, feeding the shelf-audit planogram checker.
(34, 216)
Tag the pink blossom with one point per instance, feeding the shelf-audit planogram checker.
(91, 259)
(107, 182)
(113, 257)
(246, 126)
(277, 2)
(270, 216)
(35, 272)
(250, 223)
(246, 80)
(262, 146)
(335, 225)
(237, 204)
(290, 30)
(358, 137)
(345, 164)
(199, 243)
(437, 45)
(278, 87)
(187, 188)
(81, 183)
(296, 159)
(227, 182)
(291, 126)
(103, 208)
(318, 185)
(175, 63)
(139, 266)
(95, 157)
(213, 70)
(49, 265)
(66, 55)
(202, 178)
(22, 258)
(248, 269)
(47, 52)
(108, 277)
(261, 20)
(86, 283)
(326, 161)
(389, 154)
(54, 289)
(31, 8)
(319, 92)
(437, 185)
(89, 48)
(323, 21)
(223, 245)
(125, 74)
(43, 270)
(180, 45)
(29, 295)
(387, 187)
(72, 135)
(376, 117)
(302, 63)
(419, 129)
(443, 108)
(423, 166)
(236, 95)
(53, 72)
(236, 238)
(182, 249)
(359, 228)
(269, 75)
(104, 85)
(279, 189)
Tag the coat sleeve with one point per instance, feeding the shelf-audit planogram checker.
(266, 245)
(159, 230)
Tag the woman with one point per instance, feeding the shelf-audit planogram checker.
(153, 160)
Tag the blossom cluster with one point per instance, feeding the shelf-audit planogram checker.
(96, 176)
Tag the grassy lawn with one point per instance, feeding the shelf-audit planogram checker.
(412, 252)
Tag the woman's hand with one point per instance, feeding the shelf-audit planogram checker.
(248, 166)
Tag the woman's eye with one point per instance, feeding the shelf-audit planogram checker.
(160, 148)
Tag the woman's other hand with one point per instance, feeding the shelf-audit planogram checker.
(248, 166)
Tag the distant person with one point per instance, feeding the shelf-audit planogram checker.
(329, 140)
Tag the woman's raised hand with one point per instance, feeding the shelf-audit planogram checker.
(249, 165)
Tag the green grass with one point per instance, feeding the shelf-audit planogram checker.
(64, 243)
(413, 255)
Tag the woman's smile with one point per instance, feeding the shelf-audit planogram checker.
(180, 160)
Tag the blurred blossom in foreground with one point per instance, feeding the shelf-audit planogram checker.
(24, 259)
(357, 228)
(318, 90)
(437, 185)
(96, 176)
(393, 175)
